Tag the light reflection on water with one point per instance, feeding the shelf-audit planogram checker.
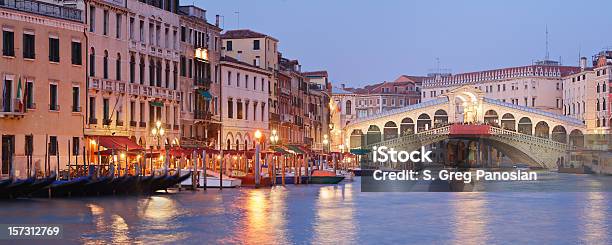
(320, 214)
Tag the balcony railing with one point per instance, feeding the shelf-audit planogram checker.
(132, 123)
(119, 123)
(93, 121)
(43, 8)
(202, 115)
(203, 81)
(142, 124)
(134, 89)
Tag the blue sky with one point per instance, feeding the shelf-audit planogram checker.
(365, 41)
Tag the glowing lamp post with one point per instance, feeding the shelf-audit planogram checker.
(157, 132)
(257, 163)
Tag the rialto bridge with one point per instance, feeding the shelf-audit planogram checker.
(523, 134)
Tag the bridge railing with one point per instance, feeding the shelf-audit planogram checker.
(434, 102)
(413, 137)
(529, 138)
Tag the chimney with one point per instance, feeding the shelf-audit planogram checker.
(343, 85)
(583, 63)
(217, 20)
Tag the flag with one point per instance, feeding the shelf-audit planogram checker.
(19, 96)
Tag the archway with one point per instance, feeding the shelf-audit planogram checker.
(491, 118)
(373, 135)
(356, 139)
(508, 122)
(440, 118)
(576, 138)
(407, 126)
(559, 134)
(390, 130)
(423, 123)
(525, 126)
(542, 129)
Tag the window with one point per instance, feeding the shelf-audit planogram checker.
(131, 28)
(190, 67)
(8, 43)
(29, 44)
(229, 78)
(53, 145)
(141, 31)
(183, 66)
(141, 72)
(263, 83)
(533, 101)
(29, 95)
(76, 145)
(254, 83)
(105, 111)
(256, 61)
(349, 107)
(142, 112)
(54, 49)
(118, 67)
(255, 44)
(105, 65)
(239, 110)
(92, 110)
(263, 110)
(53, 97)
(230, 109)
(229, 46)
(105, 23)
(118, 26)
(183, 34)
(246, 81)
(29, 144)
(92, 18)
(75, 99)
(132, 69)
(238, 79)
(76, 53)
(92, 62)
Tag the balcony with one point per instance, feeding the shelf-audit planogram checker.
(142, 124)
(76, 109)
(274, 117)
(119, 123)
(203, 81)
(287, 118)
(286, 91)
(133, 124)
(43, 8)
(106, 121)
(93, 121)
(202, 115)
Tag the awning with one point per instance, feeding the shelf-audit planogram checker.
(280, 150)
(296, 149)
(117, 142)
(360, 151)
(205, 94)
(156, 103)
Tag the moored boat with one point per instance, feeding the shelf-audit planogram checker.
(324, 177)
(37, 185)
(62, 188)
(14, 188)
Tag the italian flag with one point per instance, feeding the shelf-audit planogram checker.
(20, 96)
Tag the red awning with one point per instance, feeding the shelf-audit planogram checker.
(117, 142)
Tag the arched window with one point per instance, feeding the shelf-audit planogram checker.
(105, 64)
(603, 105)
(92, 62)
(598, 107)
(167, 74)
(142, 70)
(132, 69)
(598, 88)
(118, 67)
(349, 107)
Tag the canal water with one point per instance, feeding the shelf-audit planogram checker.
(324, 214)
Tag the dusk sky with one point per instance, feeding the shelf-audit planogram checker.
(360, 41)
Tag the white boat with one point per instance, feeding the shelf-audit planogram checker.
(212, 180)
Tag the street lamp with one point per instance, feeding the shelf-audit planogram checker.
(257, 163)
(326, 142)
(274, 137)
(157, 132)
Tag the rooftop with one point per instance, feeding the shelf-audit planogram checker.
(315, 74)
(43, 8)
(244, 33)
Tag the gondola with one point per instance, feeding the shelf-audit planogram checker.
(174, 180)
(127, 186)
(63, 188)
(16, 187)
(96, 186)
(144, 183)
(155, 183)
(37, 185)
(113, 185)
(3, 184)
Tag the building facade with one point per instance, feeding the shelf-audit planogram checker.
(586, 95)
(43, 82)
(244, 103)
(200, 79)
(525, 85)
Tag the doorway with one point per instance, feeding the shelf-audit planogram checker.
(8, 150)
